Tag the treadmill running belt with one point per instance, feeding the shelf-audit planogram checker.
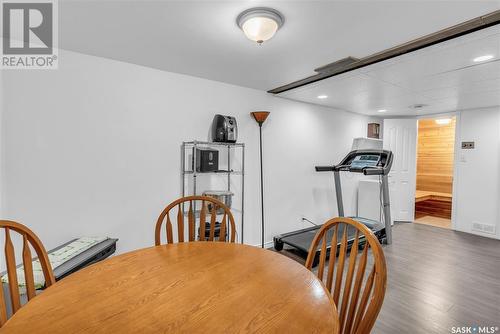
(304, 238)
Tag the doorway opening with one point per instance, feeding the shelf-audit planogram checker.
(435, 160)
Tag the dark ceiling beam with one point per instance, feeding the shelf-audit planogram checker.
(458, 30)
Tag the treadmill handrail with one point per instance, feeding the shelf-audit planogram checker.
(324, 168)
(373, 170)
(347, 168)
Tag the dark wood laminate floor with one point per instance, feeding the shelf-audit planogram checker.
(437, 279)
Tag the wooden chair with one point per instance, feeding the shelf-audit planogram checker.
(208, 205)
(29, 238)
(362, 291)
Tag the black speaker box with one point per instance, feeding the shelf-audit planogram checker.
(207, 160)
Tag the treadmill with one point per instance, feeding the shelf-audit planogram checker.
(367, 162)
(72, 263)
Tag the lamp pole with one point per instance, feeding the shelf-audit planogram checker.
(260, 117)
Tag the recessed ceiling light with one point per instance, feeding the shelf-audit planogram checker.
(322, 97)
(260, 24)
(482, 58)
(382, 110)
(443, 121)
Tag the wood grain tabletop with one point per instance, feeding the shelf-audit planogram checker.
(194, 287)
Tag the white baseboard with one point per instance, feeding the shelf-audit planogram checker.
(268, 244)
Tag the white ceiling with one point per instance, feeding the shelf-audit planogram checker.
(200, 38)
(443, 76)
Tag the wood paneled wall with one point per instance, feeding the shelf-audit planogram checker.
(435, 156)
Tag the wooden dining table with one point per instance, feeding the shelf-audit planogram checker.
(194, 287)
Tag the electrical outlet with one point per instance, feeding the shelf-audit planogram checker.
(467, 145)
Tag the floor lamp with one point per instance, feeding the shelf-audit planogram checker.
(260, 117)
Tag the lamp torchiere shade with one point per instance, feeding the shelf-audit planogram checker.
(260, 116)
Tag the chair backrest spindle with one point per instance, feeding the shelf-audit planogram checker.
(180, 222)
(10, 260)
(203, 217)
(222, 233)
(213, 217)
(191, 222)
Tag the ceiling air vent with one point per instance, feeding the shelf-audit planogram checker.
(418, 106)
(336, 65)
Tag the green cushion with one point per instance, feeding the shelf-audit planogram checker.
(56, 258)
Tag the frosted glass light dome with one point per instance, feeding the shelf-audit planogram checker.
(260, 24)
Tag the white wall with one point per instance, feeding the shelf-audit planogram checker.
(93, 149)
(2, 102)
(478, 171)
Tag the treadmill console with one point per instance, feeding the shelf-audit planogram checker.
(368, 162)
(365, 160)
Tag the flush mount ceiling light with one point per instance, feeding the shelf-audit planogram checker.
(443, 121)
(322, 97)
(260, 24)
(482, 58)
(382, 110)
